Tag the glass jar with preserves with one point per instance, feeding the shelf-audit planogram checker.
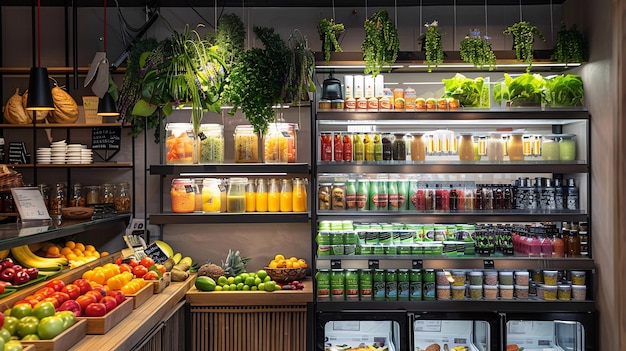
(58, 199)
(236, 196)
(76, 197)
(276, 143)
(211, 143)
(550, 149)
(107, 194)
(286, 196)
(45, 194)
(211, 195)
(93, 194)
(183, 195)
(323, 196)
(399, 148)
(246, 144)
(179, 144)
(567, 147)
(299, 195)
(122, 197)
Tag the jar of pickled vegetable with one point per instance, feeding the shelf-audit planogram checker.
(179, 143)
(246, 144)
(211, 143)
(183, 195)
(77, 197)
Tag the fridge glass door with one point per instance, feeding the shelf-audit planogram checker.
(545, 335)
(362, 335)
(451, 335)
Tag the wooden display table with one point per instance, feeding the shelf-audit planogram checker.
(249, 320)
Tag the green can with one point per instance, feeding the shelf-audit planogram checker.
(391, 285)
(352, 284)
(403, 285)
(391, 250)
(415, 280)
(322, 278)
(429, 287)
(337, 285)
(395, 236)
(378, 250)
(404, 249)
(378, 290)
(366, 281)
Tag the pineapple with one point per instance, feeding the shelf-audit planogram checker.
(234, 264)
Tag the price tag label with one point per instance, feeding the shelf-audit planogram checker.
(417, 264)
(335, 264)
(154, 251)
(373, 264)
(489, 264)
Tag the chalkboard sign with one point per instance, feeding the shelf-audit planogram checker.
(153, 250)
(106, 138)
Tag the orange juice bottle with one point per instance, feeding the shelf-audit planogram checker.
(286, 196)
(261, 196)
(299, 195)
(273, 196)
(250, 197)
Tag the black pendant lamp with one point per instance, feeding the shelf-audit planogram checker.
(39, 91)
(106, 104)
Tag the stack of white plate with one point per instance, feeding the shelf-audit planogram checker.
(86, 155)
(59, 151)
(44, 155)
(74, 153)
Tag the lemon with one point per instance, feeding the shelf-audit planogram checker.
(231, 280)
(218, 288)
(279, 257)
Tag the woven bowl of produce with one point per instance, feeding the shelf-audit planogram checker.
(285, 275)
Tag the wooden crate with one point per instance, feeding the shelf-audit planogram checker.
(142, 295)
(239, 328)
(101, 325)
(162, 283)
(63, 341)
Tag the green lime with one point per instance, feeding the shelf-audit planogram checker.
(254, 288)
(267, 279)
(232, 287)
(240, 286)
(244, 275)
(258, 281)
(261, 273)
(249, 281)
(246, 288)
(269, 286)
(261, 286)
(221, 281)
(218, 288)
(237, 280)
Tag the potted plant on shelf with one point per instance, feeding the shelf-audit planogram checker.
(477, 51)
(329, 34)
(571, 46)
(433, 45)
(523, 39)
(381, 44)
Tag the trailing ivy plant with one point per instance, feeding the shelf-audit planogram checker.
(258, 77)
(301, 69)
(433, 45)
(381, 44)
(477, 51)
(523, 38)
(329, 34)
(571, 45)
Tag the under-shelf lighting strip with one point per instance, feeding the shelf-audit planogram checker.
(456, 65)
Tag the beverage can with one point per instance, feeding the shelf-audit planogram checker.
(391, 285)
(337, 284)
(322, 278)
(378, 289)
(352, 284)
(403, 284)
(365, 284)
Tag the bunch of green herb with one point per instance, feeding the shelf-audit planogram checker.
(381, 44)
(477, 51)
(329, 34)
(571, 45)
(468, 91)
(433, 45)
(230, 38)
(565, 90)
(258, 77)
(526, 88)
(301, 69)
(523, 38)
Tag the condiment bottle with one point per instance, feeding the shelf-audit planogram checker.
(236, 196)
(574, 244)
(107, 194)
(558, 248)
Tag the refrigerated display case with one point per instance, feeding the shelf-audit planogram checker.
(456, 331)
(550, 331)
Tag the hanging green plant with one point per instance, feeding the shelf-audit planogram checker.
(433, 45)
(571, 46)
(257, 79)
(477, 51)
(301, 69)
(381, 44)
(523, 39)
(329, 34)
(230, 36)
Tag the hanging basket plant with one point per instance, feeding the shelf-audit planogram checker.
(477, 51)
(523, 39)
(381, 44)
(571, 46)
(433, 45)
(329, 34)
(301, 69)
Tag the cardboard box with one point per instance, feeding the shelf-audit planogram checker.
(90, 105)
(63, 341)
(101, 325)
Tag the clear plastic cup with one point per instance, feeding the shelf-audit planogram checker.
(579, 292)
(506, 292)
(490, 291)
(550, 277)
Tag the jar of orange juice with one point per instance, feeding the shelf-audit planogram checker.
(179, 143)
(250, 196)
(273, 196)
(211, 195)
(261, 195)
(183, 195)
(286, 196)
(299, 195)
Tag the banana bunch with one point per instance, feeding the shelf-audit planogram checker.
(460, 348)
(27, 258)
(4, 254)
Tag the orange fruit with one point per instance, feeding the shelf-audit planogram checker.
(302, 263)
(295, 264)
(104, 254)
(53, 250)
(288, 264)
(90, 248)
(279, 257)
(70, 244)
(293, 259)
(71, 256)
(80, 246)
(273, 264)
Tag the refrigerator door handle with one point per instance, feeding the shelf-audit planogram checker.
(502, 331)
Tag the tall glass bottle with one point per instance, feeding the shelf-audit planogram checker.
(251, 197)
(236, 196)
(286, 196)
(299, 195)
(273, 196)
(261, 196)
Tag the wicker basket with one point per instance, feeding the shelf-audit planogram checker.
(285, 275)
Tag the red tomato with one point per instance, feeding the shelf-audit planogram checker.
(147, 262)
(46, 291)
(83, 284)
(133, 262)
(73, 290)
(53, 300)
(109, 302)
(151, 275)
(61, 296)
(118, 295)
(84, 300)
(95, 309)
(125, 267)
(118, 261)
(140, 271)
(161, 268)
(56, 284)
(95, 293)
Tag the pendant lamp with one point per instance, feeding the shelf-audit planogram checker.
(106, 104)
(39, 91)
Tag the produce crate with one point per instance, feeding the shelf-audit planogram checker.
(142, 295)
(101, 325)
(162, 283)
(63, 341)
(28, 347)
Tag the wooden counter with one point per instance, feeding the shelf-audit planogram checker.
(196, 297)
(139, 323)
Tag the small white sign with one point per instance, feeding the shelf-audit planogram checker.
(29, 203)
